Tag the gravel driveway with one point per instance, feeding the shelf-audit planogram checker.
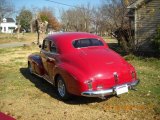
(14, 44)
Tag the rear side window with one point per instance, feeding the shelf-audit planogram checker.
(87, 43)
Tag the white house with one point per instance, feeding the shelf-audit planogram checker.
(7, 25)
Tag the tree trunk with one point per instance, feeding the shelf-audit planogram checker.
(31, 27)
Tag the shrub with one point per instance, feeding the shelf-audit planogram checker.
(157, 40)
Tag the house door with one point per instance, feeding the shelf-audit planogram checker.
(4, 29)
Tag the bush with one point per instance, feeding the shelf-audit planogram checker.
(157, 40)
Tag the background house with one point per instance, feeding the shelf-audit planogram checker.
(7, 25)
(145, 18)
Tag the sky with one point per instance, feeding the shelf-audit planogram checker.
(51, 3)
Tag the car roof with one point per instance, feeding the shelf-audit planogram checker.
(64, 40)
(70, 36)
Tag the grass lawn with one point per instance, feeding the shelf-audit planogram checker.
(7, 38)
(110, 40)
(32, 37)
(27, 97)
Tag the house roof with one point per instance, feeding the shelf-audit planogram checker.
(8, 20)
(137, 4)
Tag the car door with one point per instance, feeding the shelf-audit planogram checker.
(52, 60)
(44, 54)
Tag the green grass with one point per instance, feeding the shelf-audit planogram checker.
(7, 38)
(110, 40)
(148, 70)
(24, 96)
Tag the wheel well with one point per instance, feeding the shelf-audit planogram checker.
(29, 63)
(55, 78)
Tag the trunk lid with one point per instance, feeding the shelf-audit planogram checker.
(103, 64)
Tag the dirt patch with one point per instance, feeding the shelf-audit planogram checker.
(27, 97)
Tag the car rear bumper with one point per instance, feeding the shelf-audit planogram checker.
(111, 91)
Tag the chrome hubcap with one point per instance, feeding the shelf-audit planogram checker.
(61, 88)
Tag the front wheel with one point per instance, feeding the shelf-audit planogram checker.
(61, 89)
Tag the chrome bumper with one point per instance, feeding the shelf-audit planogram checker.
(111, 91)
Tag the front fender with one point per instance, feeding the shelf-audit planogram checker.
(36, 63)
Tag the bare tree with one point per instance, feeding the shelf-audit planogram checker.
(114, 12)
(45, 20)
(41, 27)
(71, 20)
(47, 14)
(98, 20)
(77, 19)
(6, 8)
(109, 17)
(35, 11)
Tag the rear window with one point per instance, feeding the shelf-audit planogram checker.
(87, 43)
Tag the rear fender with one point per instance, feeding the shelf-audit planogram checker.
(72, 77)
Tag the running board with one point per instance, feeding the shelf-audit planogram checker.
(45, 78)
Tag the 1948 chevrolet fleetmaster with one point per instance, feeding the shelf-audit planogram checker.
(82, 64)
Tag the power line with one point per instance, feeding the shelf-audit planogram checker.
(63, 4)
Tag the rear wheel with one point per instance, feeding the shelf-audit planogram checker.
(61, 89)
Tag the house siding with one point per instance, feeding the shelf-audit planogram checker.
(147, 20)
(7, 25)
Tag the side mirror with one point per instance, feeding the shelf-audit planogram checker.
(40, 46)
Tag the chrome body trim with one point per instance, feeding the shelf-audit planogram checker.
(43, 78)
(110, 91)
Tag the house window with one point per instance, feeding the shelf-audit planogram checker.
(11, 28)
(4, 29)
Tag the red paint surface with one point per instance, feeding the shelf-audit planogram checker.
(76, 65)
(5, 117)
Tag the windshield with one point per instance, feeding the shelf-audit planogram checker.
(87, 43)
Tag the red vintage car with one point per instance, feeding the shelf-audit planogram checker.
(82, 64)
